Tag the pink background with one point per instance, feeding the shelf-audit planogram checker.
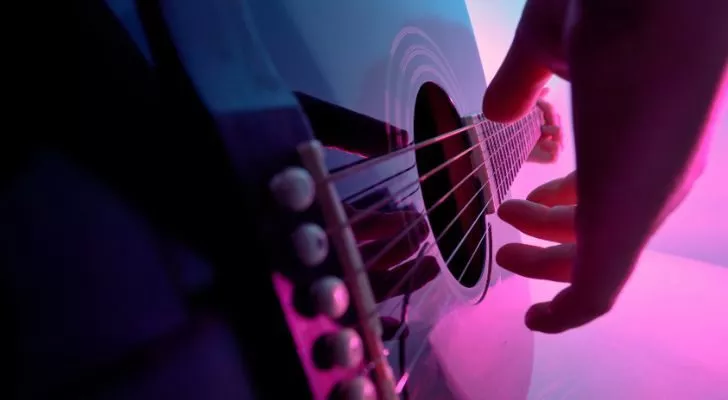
(666, 338)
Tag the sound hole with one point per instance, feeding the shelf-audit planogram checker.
(463, 242)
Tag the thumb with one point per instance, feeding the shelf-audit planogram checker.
(517, 84)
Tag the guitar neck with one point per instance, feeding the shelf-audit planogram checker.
(508, 146)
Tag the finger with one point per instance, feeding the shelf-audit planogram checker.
(555, 224)
(517, 84)
(549, 114)
(560, 191)
(553, 133)
(551, 263)
(546, 151)
(566, 311)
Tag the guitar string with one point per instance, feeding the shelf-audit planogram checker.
(472, 256)
(460, 243)
(408, 368)
(363, 192)
(406, 230)
(359, 216)
(395, 240)
(497, 153)
(420, 257)
(348, 170)
(418, 262)
(398, 334)
(373, 208)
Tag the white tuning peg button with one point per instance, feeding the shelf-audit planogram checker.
(345, 348)
(330, 296)
(359, 388)
(311, 244)
(293, 188)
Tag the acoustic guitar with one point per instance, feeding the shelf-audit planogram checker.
(274, 199)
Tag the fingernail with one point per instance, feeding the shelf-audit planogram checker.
(504, 211)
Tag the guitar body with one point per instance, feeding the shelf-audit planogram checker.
(253, 180)
(374, 58)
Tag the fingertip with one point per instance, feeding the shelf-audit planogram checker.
(506, 255)
(525, 215)
(555, 192)
(537, 317)
(510, 209)
(543, 192)
(541, 318)
(517, 85)
(570, 308)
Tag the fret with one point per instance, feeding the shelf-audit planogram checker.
(508, 156)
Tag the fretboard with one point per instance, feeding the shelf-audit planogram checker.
(508, 146)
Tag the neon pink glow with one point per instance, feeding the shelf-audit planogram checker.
(666, 338)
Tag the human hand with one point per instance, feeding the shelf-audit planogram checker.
(537, 53)
(549, 213)
(640, 118)
(550, 144)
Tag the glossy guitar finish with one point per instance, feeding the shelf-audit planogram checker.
(373, 58)
(247, 84)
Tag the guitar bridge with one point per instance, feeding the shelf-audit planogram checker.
(352, 266)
